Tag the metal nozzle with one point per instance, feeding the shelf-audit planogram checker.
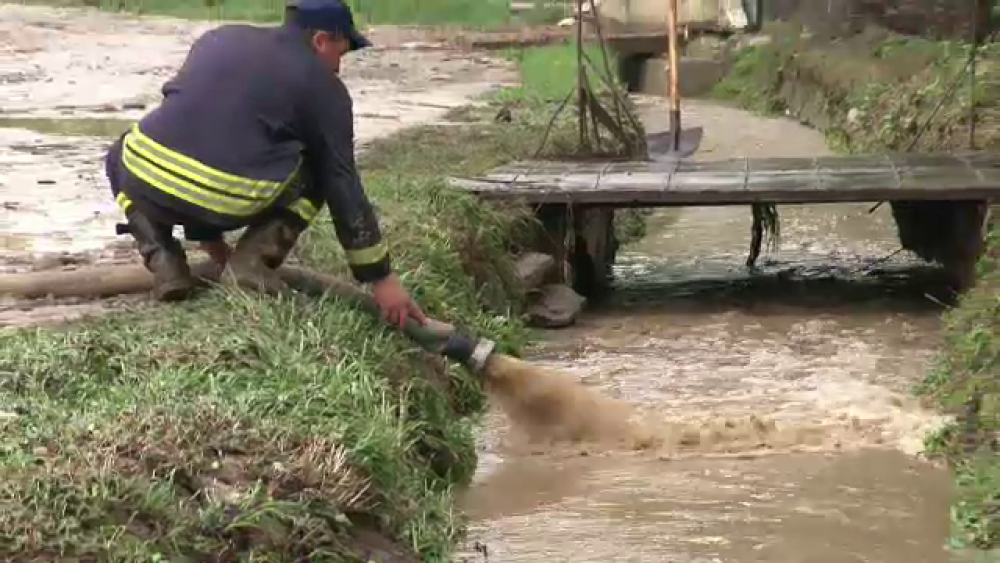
(470, 353)
(480, 355)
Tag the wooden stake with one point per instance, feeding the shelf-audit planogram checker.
(675, 100)
(581, 91)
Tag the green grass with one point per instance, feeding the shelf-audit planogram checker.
(235, 427)
(966, 381)
(549, 73)
(468, 12)
(890, 83)
(297, 406)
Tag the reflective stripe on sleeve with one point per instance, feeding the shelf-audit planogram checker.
(304, 209)
(366, 256)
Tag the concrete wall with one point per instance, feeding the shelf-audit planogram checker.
(650, 16)
(937, 19)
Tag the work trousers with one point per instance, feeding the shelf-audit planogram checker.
(130, 191)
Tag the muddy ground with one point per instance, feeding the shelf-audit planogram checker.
(71, 80)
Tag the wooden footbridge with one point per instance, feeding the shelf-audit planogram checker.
(575, 201)
(741, 181)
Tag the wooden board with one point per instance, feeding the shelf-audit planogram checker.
(828, 179)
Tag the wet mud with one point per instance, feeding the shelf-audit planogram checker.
(757, 414)
(72, 80)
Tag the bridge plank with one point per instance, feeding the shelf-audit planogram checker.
(827, 179)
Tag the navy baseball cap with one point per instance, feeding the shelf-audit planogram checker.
(332, 16)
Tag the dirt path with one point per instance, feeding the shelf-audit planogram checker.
(71, 79)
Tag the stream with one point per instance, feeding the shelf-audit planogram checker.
(819, 346)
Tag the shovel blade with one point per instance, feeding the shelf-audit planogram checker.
(660, 145)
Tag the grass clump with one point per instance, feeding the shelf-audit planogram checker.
(868, 92)
(548, 73)
(227, 429)
(966, 381)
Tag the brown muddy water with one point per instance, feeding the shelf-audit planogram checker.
(783, 393)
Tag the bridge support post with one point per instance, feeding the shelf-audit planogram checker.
(582, 241)
(594, 249)
(951, 233)
(552, 240)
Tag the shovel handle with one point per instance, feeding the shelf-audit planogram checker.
(673, 57)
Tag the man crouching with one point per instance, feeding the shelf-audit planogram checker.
(255, 130)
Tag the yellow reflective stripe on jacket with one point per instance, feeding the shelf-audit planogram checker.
(187, 191)
(304, 209)
(366, 256)
(174, 174)
(190, 169)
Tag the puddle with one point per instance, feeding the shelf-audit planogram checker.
(109, 128)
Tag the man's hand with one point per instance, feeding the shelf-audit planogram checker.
(395, 301)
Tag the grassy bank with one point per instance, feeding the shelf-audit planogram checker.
(869, 92)
(412, 12)
(874, 92)
(236, 428)
(262, 429)
(966, 380)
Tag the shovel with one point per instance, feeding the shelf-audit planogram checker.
(676, 142)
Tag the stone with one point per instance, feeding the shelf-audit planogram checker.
(555, 306)
(533, 268)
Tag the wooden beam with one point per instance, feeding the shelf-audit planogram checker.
(744, 181)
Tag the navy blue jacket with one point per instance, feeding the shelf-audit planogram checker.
(252, 101)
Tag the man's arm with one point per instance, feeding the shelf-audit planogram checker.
(326, 123)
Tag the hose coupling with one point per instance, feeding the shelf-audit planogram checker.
(467, 351)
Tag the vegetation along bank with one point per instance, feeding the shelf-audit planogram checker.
(877, 91)
(241, 428)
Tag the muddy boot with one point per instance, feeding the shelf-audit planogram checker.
(164, 257)
(259, 252)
